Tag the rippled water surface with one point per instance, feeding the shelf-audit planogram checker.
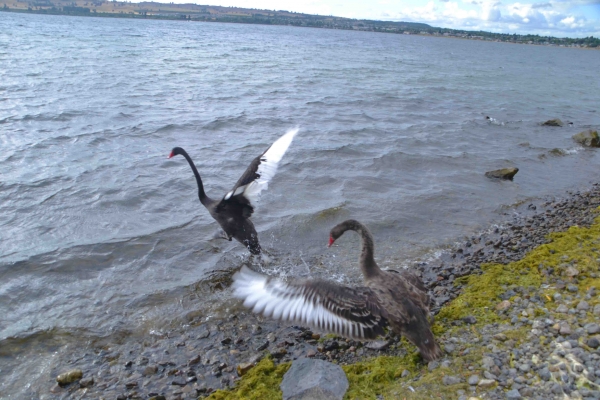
(101, 235)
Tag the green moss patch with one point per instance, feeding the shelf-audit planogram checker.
(261, 382)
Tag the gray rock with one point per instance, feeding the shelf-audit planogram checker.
(565, 329)
(489, 375)
(592, 328)
(486, 383)
(513, 394)
(587, 138)
(378, 345)
(562, 309)
(314, 379)
(487, 362)
(597, 309)
(432, 365)
(473, 379)
(450, 380)
(86, 382)
(150, 370)
(545, 374)
(405, 373)
(504, 173)
(524, 367)
(583, 305)
(593, 342)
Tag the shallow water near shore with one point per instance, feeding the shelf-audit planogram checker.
(103, 239)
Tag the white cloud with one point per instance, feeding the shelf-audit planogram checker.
(556, 18)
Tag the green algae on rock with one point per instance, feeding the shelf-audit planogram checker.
(588, 138)
(504, 173)
(69, 377)
(261, 382)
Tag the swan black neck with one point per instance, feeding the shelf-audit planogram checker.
(367, 260)
(204, 199)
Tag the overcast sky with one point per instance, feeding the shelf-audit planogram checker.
(572, 18)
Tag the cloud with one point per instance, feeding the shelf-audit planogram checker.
(555, 18)
(541, 5)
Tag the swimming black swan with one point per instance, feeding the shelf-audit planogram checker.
(389, 298)
(233, 211)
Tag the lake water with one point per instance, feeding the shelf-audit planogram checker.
(102, 236)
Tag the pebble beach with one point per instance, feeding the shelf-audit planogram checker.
(516, 312)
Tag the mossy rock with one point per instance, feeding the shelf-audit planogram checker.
(557, 152)
(553, 122)
(504, 173)
(69, 377)
(588, 138)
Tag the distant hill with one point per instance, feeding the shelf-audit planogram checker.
(206, 13)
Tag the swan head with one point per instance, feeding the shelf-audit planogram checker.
(339, 229)
(175, 151)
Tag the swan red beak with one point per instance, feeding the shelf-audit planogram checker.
(171, 155)
(331, 240)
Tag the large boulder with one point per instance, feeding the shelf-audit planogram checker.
(553, 122)
(504, 173)
(310, 379)
(588, 138)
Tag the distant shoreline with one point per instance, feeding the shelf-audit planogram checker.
(202, 13)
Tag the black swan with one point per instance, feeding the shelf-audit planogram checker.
(389, 298)
(233, 211)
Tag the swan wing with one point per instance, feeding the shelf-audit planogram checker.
(352, 312)
(262, 169)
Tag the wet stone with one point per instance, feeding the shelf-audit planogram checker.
(262, 346)
(69, 377)
(150, 370)
(86, 382)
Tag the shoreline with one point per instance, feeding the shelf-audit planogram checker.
(201, 358)
(176, 17)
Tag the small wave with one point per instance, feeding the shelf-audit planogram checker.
(61, 117)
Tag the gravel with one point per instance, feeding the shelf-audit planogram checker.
(559, 357)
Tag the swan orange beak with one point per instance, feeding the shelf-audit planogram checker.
(171, 155)
(331, 240)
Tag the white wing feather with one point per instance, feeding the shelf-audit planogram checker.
(276, 299)
(268, 166)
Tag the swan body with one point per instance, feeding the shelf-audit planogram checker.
(233, 210)
(388, 298)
